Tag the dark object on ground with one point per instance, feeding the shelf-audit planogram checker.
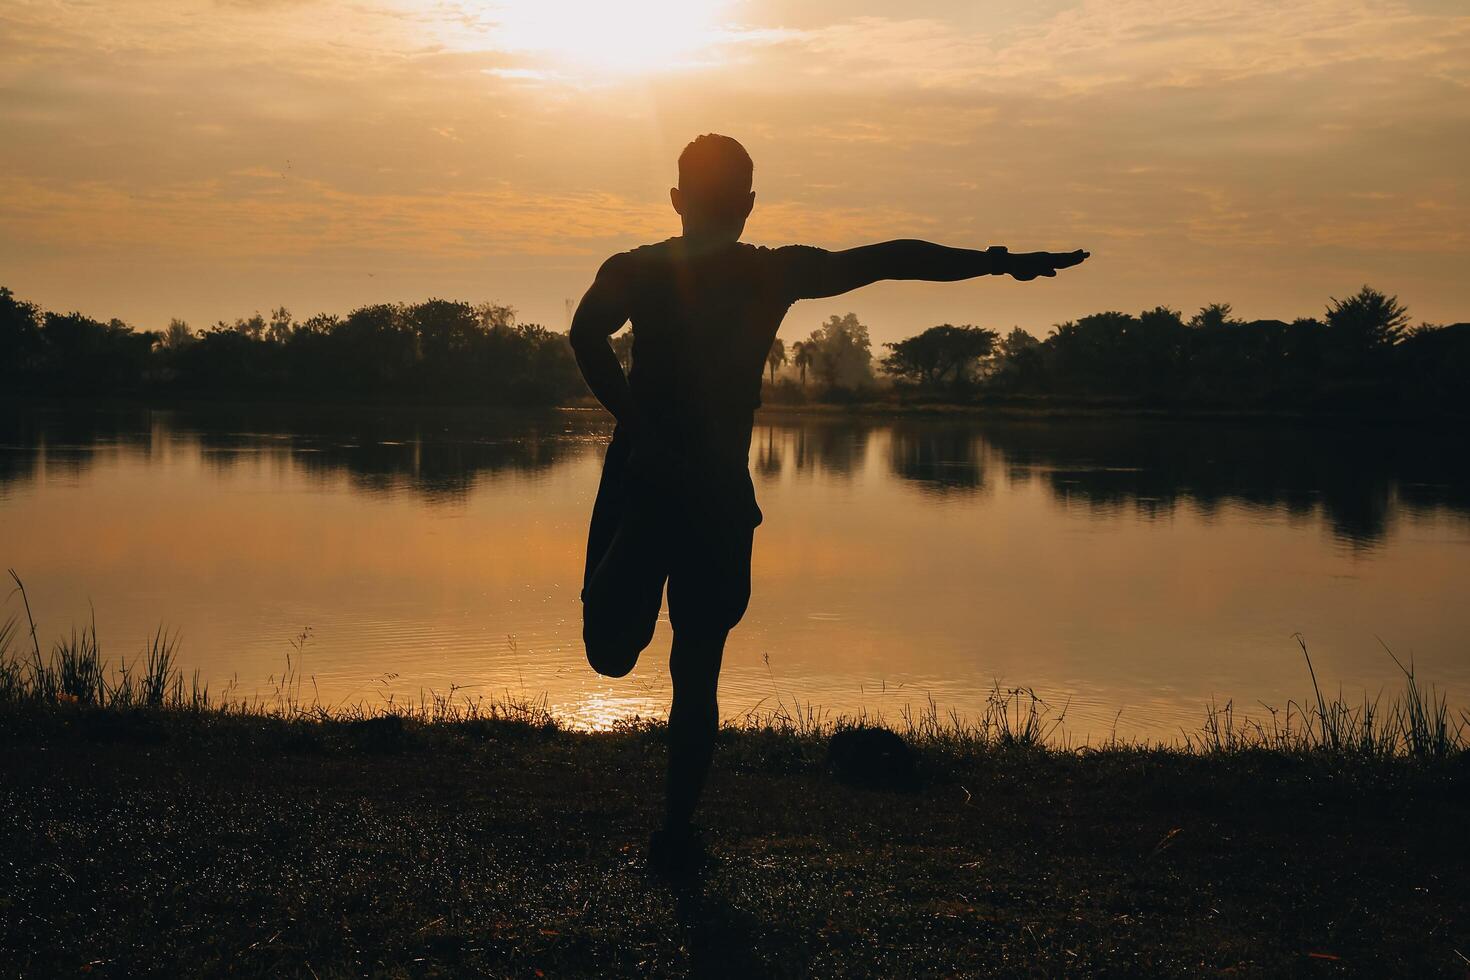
(873, 758)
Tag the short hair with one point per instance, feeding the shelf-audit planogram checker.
(715, 164)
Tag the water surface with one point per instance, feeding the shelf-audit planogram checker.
(1130, 570)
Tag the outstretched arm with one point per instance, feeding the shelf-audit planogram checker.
(838, 272)
(602, 312)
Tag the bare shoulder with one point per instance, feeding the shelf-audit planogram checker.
(796, 271)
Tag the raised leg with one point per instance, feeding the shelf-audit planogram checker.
(620, 604)
(627, 564)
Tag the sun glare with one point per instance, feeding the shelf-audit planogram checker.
(628, 36)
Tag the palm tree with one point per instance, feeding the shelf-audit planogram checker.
(801, 358)
(776, 357)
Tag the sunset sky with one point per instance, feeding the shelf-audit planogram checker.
(209, 159)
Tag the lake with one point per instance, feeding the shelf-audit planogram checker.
(1127, 570)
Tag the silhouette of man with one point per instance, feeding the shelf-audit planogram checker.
(676, 504)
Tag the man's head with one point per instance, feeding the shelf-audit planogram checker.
(714, 196)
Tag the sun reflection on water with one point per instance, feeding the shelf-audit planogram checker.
(603, 710)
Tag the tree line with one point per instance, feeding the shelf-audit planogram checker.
(435, 351)
(1362, 354)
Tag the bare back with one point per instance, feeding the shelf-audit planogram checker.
(702, 326)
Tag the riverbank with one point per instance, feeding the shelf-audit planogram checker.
(192, 842)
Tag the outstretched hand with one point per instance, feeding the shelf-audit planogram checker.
(1026, 266)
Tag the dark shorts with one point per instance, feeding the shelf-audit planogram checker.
(649, 529)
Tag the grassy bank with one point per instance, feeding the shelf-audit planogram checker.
(151, 827)
(199, 843)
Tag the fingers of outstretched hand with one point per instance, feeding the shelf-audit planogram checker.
(1035, 265)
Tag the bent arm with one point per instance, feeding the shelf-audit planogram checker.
(910, 258)
(602, 312)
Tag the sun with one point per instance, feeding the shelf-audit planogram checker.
(611, 36)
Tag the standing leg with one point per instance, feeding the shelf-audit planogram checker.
(709, 588)
(694, 718)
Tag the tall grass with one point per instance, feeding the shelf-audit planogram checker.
(12, 677)
(1416, 723)
(1011, 718)
(75, 672)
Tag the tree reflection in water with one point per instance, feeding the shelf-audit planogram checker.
(1359, 479)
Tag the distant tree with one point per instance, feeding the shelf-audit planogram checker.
(1379, 319)
(776, 357)
(547, 370)
(22, 345)
(279, 327)
(940, 353)
(1161, 319)
(446, 332)
(916, 358)
(1362, 328)
(1090, 354)
(87, 355)
(321, 323)
(801, 358)
(842, 352)
(253, 328)
(1157, 352)
(176, 336)
(1021, 362)
(1212, 317)
(495, 317)
(374, 347)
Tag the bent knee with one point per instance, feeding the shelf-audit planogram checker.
(611, 662)
(614, 654)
